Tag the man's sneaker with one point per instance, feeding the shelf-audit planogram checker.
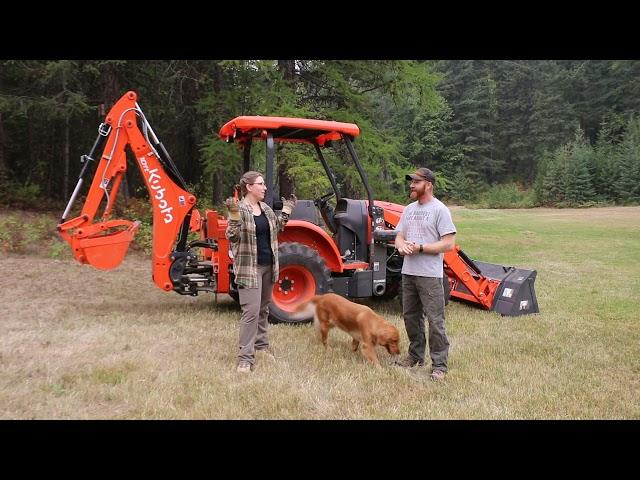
(244, 367)
(438, 375)
(409, 362)
(267, 352)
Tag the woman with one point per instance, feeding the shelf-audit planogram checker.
(253, 233)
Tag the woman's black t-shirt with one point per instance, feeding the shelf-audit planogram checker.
(263, 239)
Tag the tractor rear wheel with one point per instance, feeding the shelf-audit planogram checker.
(303, 274)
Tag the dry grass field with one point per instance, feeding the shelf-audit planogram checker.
(78, 343)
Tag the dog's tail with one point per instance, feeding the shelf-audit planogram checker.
(304, 311)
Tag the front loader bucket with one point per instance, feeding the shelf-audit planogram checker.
(515, 294)
(506, 290)
(104, 251)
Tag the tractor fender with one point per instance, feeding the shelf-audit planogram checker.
(314, 237)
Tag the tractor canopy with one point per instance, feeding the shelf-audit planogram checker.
(286, 129)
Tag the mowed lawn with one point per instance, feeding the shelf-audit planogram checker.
(78, 343)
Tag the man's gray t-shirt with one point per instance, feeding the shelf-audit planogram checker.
(425, 223)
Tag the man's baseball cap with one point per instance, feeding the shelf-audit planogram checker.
(422, 174)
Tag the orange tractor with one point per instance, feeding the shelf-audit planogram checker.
(348, 249)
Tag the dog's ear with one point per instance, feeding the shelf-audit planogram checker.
(381, 335)
(389, 337)
(387, 333)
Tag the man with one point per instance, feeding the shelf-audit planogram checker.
(425, 232)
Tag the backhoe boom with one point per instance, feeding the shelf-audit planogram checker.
(104, 244)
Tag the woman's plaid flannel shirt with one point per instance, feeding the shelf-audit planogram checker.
(242, 238)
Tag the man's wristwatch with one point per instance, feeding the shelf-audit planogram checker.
(420, 248)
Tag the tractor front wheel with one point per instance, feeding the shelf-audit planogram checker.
(303, 274)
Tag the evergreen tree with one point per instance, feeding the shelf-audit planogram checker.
(578, 189)
(606, 157)
(475, 122)
(627, 170)
(553, 183)
(470, 90)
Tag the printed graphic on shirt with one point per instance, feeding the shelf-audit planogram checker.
(417, 221)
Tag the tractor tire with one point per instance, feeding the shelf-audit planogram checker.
(303, 274)
(445, 285)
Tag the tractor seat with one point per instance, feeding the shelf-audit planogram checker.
(352, 220)
(304, 210)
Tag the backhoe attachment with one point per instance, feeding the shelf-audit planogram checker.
(104, 244)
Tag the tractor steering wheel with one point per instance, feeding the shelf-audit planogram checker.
(323, 199)
(326, 211)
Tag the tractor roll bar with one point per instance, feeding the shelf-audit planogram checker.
(268, 199)
(328, 171)
(363, 175)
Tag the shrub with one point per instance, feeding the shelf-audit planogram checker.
(509, 195)
(11, 234)
(26, 233)
(58, 250)
(22, 196)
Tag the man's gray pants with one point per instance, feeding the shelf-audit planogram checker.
(424, 296)
(255, 312)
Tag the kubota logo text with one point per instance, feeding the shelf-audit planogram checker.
(154, 183)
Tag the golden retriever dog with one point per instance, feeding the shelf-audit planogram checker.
(363, 324)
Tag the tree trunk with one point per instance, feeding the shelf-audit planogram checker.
(65, 180)
(3, 162)
(284, 181)
(124, 187)
(217, 78)
(30, 147)
(50, 175)
(218, 187)
(4, 174)
(217, 178)
(288, 70)
(4, 171)
(111, 89)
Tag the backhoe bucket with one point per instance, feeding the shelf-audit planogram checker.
(104, 251)
(515, 294)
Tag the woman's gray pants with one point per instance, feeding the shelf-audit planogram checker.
(255, 313)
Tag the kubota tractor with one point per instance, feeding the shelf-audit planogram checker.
(348, 249)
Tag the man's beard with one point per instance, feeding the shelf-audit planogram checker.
(417, 193)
